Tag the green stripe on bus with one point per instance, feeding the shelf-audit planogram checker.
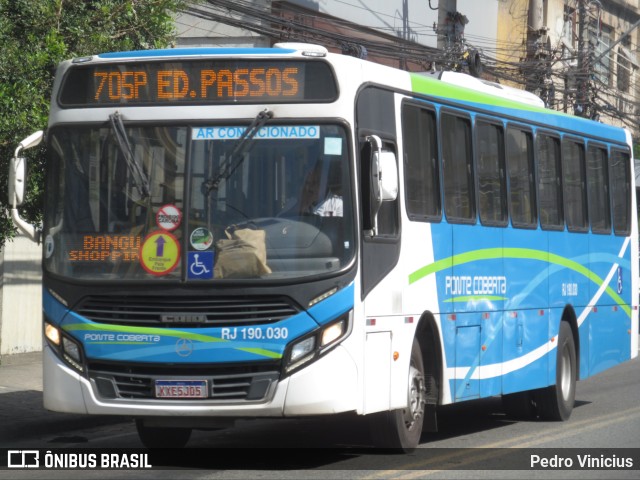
(521, 253)
(261, 352)
(198, 337)
(436, 88)
(142, 331)
(477, 298)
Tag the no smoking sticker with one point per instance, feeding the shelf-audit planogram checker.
(168, 217)
(160, 253)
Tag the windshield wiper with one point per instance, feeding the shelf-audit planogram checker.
(140, 179)
(236, 157)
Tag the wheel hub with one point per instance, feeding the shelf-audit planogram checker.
(417, 397)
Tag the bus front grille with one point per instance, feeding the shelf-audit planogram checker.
(190, 311)
(224, 384)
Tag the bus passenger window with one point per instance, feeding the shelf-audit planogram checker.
(574, 187)
(598, 190)
(521, 182)
(549, 182)
(422, 185)
(621, 193)
(492, 196)
(458, 169)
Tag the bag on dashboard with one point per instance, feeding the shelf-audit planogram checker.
(242, 255)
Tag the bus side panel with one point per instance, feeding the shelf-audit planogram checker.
(609, 338)
(610, 322)
(569, 285)
(568, 274)
(527, 350)
(467, 348)
(491, 351)
(477, 291)
(525, 343)
(442, 238)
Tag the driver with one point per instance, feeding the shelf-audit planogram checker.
(310, 202)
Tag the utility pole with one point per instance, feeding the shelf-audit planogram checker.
(535, 23)
(534, 29)
(582, 78)
(405, 30)
(446, 8)
(537, 70)
(450, 30)
(405, 20)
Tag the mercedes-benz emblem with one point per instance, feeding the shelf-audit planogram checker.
(184, 347)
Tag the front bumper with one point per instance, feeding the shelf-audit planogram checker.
(328, 385)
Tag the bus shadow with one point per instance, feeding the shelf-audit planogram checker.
(23, 416)
(474, 416)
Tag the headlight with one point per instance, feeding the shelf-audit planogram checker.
(70, 347)
(333, 332)
(302, 349)
(71, 352)
(311, 347)
(66, 347)
(52, 333)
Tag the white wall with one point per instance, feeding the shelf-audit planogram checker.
(21, 302)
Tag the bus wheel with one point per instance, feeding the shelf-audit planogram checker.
(162, 437)
(401, 429)
(556, 402)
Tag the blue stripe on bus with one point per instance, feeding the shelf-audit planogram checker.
(553, 120)
(207, 345)
(52, 308)
(189, 345)
(333, 306)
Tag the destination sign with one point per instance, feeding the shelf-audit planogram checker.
(198, 82)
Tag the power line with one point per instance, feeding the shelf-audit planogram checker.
(565, 79)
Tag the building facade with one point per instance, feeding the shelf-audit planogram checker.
(579, 55)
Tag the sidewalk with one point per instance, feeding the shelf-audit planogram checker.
(20, 372)
(22, 414)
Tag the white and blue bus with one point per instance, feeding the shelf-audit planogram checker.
(282, 232)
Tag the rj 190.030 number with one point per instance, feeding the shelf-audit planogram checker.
(254, 333)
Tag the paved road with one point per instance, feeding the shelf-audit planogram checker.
(607, 415)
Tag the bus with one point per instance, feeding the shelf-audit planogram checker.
(287, 232)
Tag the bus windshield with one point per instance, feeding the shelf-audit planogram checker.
(197, 203)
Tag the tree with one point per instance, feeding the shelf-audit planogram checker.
(37, 35)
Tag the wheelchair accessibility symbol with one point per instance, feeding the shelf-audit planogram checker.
(200, 265)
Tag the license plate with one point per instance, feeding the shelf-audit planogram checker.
(181, 389)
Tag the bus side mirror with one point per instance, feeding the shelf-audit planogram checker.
(384, 178)
(17, 172)
(18, 169)
(17, 177)
(388, 176)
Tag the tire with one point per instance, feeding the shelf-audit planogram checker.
(475, 64)
(556, 402)
(401, 429)
(162, 437)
